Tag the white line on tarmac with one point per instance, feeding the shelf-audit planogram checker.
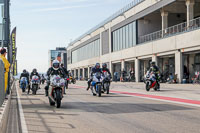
(21, 113)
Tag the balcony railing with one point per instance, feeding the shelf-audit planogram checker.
(177, 29)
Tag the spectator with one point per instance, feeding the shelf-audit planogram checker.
(6, 66)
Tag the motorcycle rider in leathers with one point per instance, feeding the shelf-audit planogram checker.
(54, 70)
(94, 70)
(155, 70)
(34, 73)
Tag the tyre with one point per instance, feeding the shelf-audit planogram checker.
(51, 102)
(34, 89)
(74, 81)
(107, 88)
(58, 98)
(23, 88)
(99, 90)
(147, 86)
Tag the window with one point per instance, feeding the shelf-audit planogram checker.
(88, 51)
(124, 37)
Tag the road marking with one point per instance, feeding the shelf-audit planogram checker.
(189, 102)
(21, 113)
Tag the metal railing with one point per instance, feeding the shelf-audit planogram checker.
(177, 29)
(2, 83)
(115, 15)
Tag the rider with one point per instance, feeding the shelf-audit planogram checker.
(34, 73)
(26, 75)
(66, 74)
(155, 70)
(105, 69)
(54, 70)
(94, 70)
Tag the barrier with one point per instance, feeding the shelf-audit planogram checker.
(2, 83)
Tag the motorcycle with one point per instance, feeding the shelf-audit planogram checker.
(196, 79)
(151, 82)
(66, 84)
(106, 82)
(97, 84)
(35, 82)
(23, 84)
(42, 80)
(56, 90)
(72, 80)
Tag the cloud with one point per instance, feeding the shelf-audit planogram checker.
(62, 8)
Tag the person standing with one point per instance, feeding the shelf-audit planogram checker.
(6, 66)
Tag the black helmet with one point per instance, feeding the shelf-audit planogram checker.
(104, 65)
(97, 65)
(34, 70)
(24, 71)
(153, 63)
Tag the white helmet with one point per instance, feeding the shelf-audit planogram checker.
(56, 64)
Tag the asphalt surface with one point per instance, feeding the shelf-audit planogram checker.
(13, 125)
(81, 112)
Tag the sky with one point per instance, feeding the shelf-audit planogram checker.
(43, 25)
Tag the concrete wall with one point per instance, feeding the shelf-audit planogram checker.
(149, 24)
(171, 44)
(105, 42)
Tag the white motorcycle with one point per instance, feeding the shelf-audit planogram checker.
(97, 84)
(35, 83)
(56, 90)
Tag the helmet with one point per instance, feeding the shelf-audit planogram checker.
(34, 70)
(56, 64)
(104, 65)
(24, 71)
(153, 63)
(97, 65)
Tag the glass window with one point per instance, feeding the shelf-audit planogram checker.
(124, 38)
(127, 37)
(121, 37)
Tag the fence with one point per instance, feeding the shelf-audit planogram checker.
(180, 28)
(2, 83)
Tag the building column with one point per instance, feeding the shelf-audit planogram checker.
(122, 65)
(88, 72)
(137, 70)
(74, 73)
(79, 73)
(111, 68)
(155, 59)
(190, 11)
(164, 16)
(179, 66)
(83, 73)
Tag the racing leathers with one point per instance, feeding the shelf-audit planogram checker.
(52, 72)
(94, 70)
(155, 70)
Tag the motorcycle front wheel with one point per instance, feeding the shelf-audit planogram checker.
(58, 98)
(99, 90)
(147, 86)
